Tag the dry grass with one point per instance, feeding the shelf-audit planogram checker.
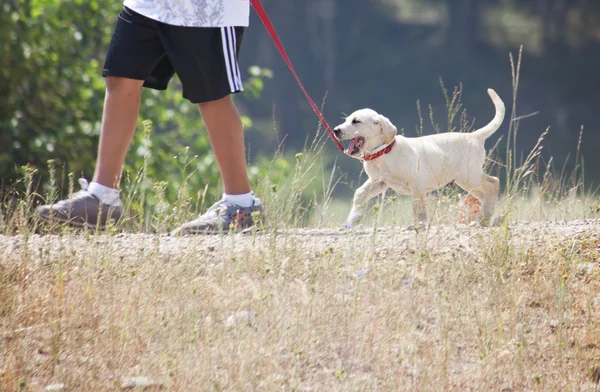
(453, 308)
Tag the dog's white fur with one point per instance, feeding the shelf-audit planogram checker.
(415, 166)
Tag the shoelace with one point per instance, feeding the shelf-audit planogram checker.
(223, 206)
(82, 193)
(218, 205)
(83, 183)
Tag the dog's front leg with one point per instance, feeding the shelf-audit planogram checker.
(419, 210)
(363, 194)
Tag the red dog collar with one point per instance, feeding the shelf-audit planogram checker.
(387, 149)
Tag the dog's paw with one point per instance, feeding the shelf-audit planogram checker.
(352, 220)
(484, 223)
(492, 222)
(498, 220)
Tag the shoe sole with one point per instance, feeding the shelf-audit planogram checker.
(71, 223)
(216, 232)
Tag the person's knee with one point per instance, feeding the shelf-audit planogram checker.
(225, 102)
(116, 84)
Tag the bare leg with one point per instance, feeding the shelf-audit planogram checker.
(121, 111)
(226, 134)
(363, 194)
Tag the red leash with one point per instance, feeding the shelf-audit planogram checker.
(262, 14)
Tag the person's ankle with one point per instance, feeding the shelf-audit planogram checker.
(108, 196)
(242, 200)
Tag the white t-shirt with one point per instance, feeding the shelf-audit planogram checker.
(194, 13)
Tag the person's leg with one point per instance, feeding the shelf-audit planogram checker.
(119, 119)
(226, 134)
(99, 202)
(135, 57)
(239, 208)
(205, 59)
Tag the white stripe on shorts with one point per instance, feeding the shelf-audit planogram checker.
(236, 70)
(228, 60)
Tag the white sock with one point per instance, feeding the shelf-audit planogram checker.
(107, 195)
(245, 200)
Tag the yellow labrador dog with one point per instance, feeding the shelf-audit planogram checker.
(414, 166)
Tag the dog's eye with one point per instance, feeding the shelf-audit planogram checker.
(355, 121)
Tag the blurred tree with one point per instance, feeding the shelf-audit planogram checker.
(387, 54)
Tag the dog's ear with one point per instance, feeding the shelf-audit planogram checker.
(388, 129)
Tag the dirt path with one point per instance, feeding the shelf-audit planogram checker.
(437, 239)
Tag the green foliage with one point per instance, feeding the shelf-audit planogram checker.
(50, 84)
(52, 97)
(50, 114)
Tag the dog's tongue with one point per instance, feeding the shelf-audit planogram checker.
(351, 146)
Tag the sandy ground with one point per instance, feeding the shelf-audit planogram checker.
(438, 239)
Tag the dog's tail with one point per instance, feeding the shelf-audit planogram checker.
(487, 131)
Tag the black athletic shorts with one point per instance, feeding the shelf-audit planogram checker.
(204, 58)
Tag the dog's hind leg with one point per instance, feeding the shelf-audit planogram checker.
(487, 194)
(492, 187)
(362, 195)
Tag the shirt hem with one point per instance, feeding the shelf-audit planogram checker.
(245, 22)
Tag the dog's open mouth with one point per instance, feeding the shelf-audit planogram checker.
(355, 145)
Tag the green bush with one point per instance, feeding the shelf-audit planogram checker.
(52, 94)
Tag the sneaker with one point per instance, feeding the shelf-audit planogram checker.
(81, 210)
(222, 217)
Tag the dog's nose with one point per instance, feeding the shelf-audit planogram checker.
(337, 131)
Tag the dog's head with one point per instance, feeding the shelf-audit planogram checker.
(366, 129)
